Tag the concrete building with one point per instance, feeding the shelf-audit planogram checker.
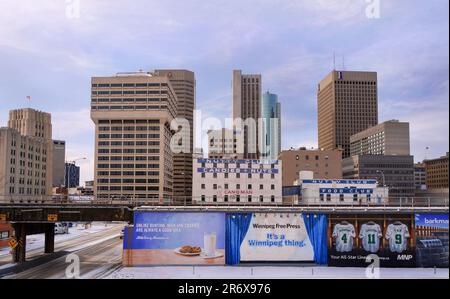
(271, 127)
(325, 164)
(247, 107)
(26, 156)
(237, 181)
(420, 176)
(25, 167)
(71, 175)
(132, 113)
(347, 104)
(225, 144)
(183, 83)
(388, 138)
(437, 172)
(31, 122)
(394, 172)
(350, 192)
(59, 159)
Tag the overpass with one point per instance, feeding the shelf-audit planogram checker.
(33, 218)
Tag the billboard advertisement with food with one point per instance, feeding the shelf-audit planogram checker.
(175, 239)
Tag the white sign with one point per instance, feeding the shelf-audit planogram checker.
(276, 237)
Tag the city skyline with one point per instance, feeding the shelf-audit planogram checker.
(413, 84)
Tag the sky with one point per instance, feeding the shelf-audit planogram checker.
(49, 50)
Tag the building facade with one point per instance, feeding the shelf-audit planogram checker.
(71, 175)
(247, 107)
(347, 104)
(394, 172)
(437, 171)
(31, 122)
(387, 138)
(325, 164)
(132, 113)
(271, 126)
(225, 144)
(25, 167)
(59, 159)
(183, 83)
(237, 181)
(420, 176)
(345, 192)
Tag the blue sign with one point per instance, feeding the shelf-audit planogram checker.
(345, 191)
(154, 230)
(228, 161)
(432, 220)
(347, 182)
(237, 170)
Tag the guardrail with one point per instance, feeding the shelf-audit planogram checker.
(441, 202)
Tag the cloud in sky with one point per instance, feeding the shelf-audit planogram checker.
(47, 54)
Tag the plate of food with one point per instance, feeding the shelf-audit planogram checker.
(188, 250)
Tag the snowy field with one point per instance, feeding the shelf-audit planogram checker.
(271, 272)
(35, 242)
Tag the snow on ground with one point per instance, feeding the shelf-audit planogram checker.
(270, 272)
(37, 241)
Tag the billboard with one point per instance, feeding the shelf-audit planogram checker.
(432, 240)
(175, 239)
(354, 237)
(277, 237)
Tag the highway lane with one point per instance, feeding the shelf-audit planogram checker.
(66, 245)
(98, 259)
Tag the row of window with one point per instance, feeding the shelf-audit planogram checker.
(129, 151)
(128, 173)
(238, 186)
(128, 158)
(238, 175)
(128, 136)
(129, 128)
(128, 143)
(128, 188)
(341, 197)
(237, 198)
(238, 165)
(122, 92)
(102, 85)
(103, 166)
(138, 107)
(128, 181)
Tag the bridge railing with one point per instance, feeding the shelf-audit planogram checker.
(406, 202)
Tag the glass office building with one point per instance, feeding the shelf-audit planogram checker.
(271, 132)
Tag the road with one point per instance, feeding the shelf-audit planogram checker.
(99, 254)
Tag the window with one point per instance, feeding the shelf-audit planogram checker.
(272, 187)
(215, 186)
(249, 198)
(249, 186)
(238, 186)
(203, 186)
(249, 175)
(341, 197)
(214, 198)
(225, 198)
(369, 197)
(238, 175)
(203, 198)
(203, 175)
(226, 175)
(272, 198)
(261, 198)
(321, 197)
(355, 197)
(226, 186)
(328, 197)
(4, 235)
(238, 198)
(215, 175)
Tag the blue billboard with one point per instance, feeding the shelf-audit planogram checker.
(168, 238)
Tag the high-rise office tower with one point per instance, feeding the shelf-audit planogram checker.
(71, 175)
(30, 122)
(271, 128)
(183, 83)
(132, 114)
(247, 106)
(26, 156)
(59, 159)
(347, 104)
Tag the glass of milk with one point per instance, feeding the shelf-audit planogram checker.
(209, 244)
